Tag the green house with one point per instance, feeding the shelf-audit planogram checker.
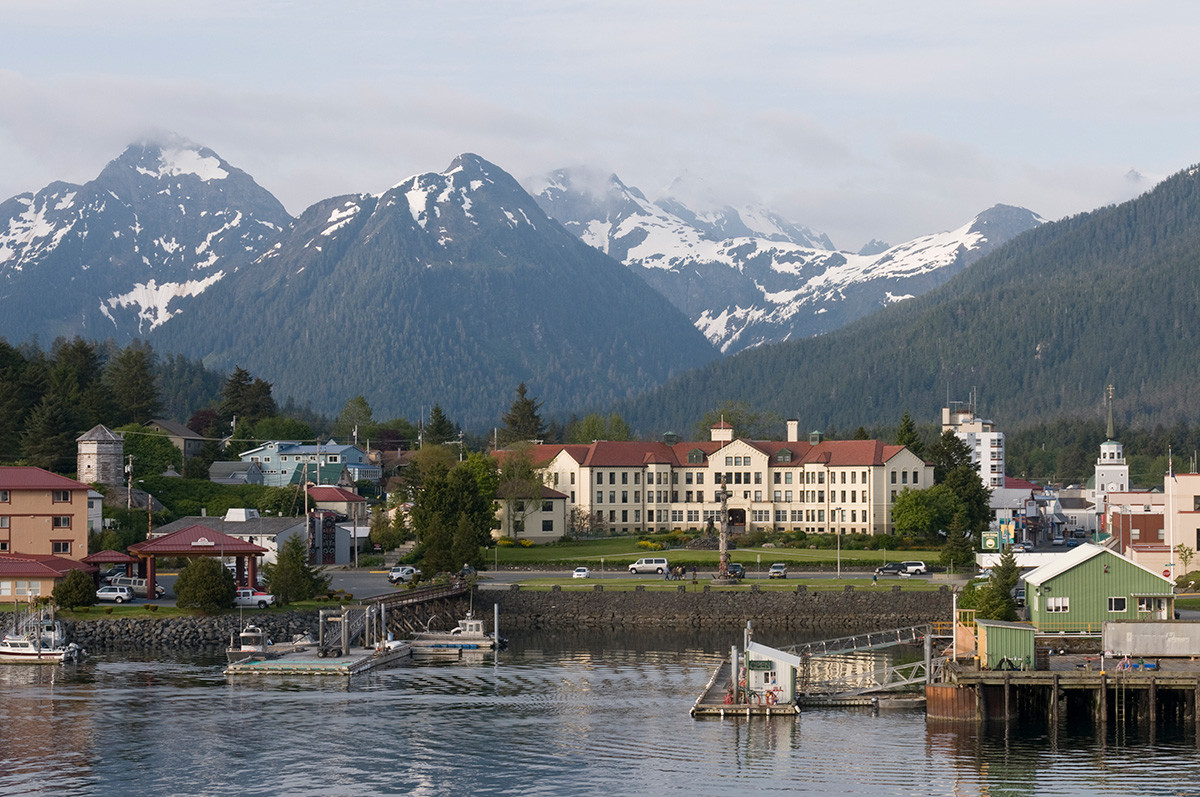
(1087, 586)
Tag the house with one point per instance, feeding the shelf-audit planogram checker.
(95, 513)
(340, 501)
(42, 513)
(183, 438)
(246, 525)
(281, 460)
(814, 485)
(542, 520)
(1081, 589)
(235, 473)
(25, 577)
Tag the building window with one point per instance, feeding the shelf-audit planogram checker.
(599, 478)
(547, 506)
(904, 477)
(612, 477)
(60, 546)
(637, 516)
(624, 515)
(693, 515)
(1116, 604)
(62, 522)
(699, 478)
(624, 496)
(612, 516)
(572, 477)
(599, 496)
(915, 479)
(787, 496)
(4, 497)
(3, 521)
(4, 546)
(676, 515)
(548, 525)
(758, 495)
(62, 496)
(700, 496)
(728, 461)
(1058, 604)
(612, 496)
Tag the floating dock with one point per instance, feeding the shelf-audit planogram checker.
(711, 702)
(308, 662)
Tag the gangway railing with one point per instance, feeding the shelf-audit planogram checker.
(850, 644)
(899, 676)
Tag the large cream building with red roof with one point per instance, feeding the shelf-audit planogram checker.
(816, 486)
(43, 530)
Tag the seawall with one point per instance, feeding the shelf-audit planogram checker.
(802, 610)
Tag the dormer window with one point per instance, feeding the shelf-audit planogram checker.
(783, 455)
(695, 457)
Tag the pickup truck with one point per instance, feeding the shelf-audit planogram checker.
(252, 597)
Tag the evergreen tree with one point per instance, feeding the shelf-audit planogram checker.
(292, 578)
(48, 440)
(131, 378)
(75, 589)
(152, 452)
(246, 399)
(995, 600)
(907, 436)
(355, 420)
(522, 421)
(948, 453)
(966, 485)
(520, 488)
(439, 429)
(465, 547)
(436, 543)
(205, 585)
(959, 550)
(861, 433)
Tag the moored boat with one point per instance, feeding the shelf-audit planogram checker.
(253, 644)
(468, 635)
(37, 640)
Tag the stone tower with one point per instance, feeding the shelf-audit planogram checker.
(101, 456)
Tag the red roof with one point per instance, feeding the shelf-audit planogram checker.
(614, 454)
(196, 541)
(109, 558)
(24, 477)
(39, 566)
(333, 494)
(1013, 483)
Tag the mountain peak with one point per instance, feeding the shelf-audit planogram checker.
(169, 155)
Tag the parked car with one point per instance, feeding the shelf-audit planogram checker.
(403, 573)
(114, 594)
(466, 571)
(138, 585)
(736, 570)
(891, 569)
(914, 568)
(108, 575)
(253, 597)
(778, 570)
(1057, 541)
(1018, 595)
(1021, 547)
(581, 572)
(649, 564)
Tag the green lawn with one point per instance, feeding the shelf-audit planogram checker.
(623, 551)
(779, 585)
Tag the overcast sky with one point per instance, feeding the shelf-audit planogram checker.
(861, 119)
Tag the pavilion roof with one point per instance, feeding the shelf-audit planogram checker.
(196, 541)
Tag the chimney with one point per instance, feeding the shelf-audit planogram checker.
(793, 431)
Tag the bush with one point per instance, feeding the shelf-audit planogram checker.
(525, 543)
(76, 589)
(505, 542)
(205, 585)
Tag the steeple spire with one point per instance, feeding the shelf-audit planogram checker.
(1110, 417)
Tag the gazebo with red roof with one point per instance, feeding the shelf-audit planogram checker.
(110, 558)
(196, 541)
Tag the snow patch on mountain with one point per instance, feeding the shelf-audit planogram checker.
(175, 161)
(153, 300)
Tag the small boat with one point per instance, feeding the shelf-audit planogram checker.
(468, 635)
(38, 640)
(253, 644)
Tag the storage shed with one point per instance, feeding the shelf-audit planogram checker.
(1005, 646)
(1083, 588)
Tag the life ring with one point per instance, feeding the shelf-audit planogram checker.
(770, 698)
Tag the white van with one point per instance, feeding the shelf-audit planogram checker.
(649, 564)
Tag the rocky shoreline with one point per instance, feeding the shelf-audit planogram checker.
(595, 610)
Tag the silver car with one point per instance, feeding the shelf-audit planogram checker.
(116, 594)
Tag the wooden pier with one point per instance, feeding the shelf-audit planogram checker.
(309, 662)
(711, 702)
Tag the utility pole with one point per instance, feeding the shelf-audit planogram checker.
(129, 489)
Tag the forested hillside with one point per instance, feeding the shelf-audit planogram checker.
(1038, 327)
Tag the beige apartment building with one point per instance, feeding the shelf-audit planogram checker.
(816, 486)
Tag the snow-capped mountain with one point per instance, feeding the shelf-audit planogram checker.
(119, 255)
(750, 277)
(448, 288)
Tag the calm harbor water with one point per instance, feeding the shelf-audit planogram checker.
(557, 715)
